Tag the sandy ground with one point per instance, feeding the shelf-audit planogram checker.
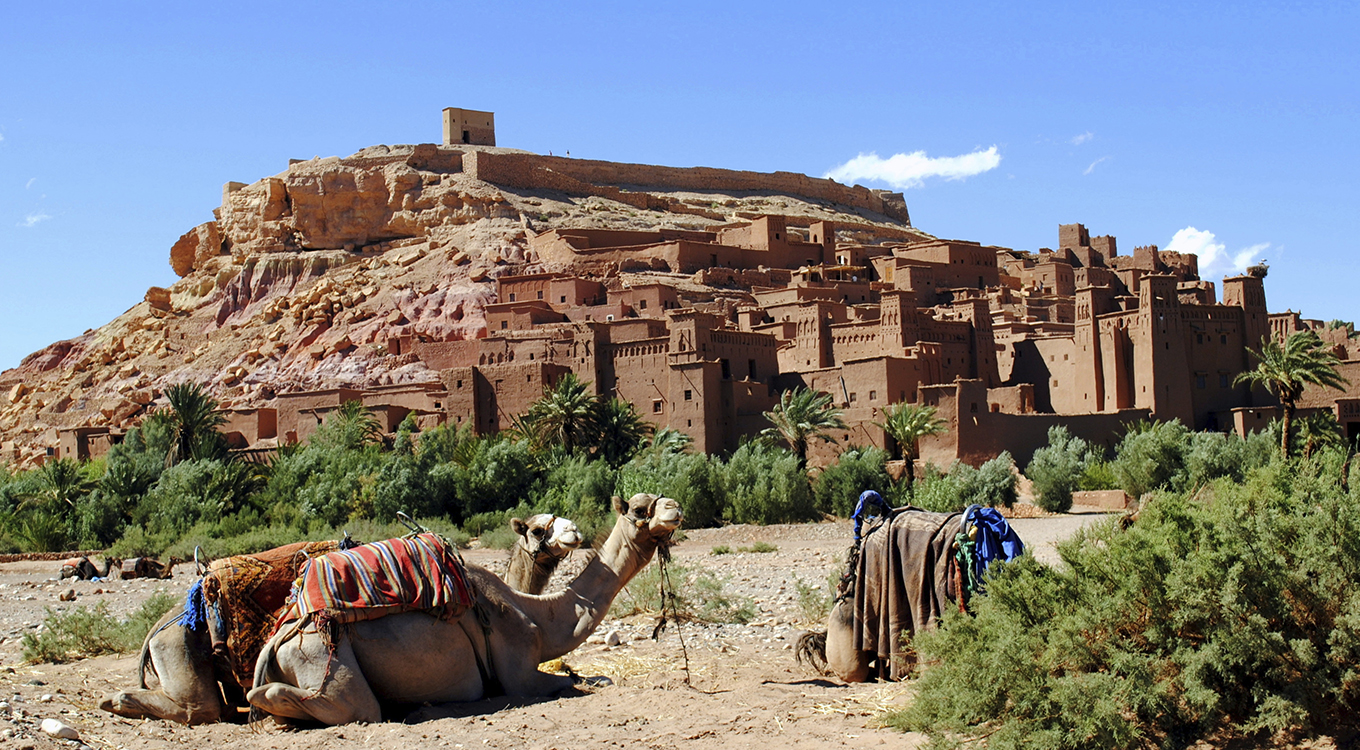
(742, 688)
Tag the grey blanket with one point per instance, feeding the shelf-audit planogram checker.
(905, 581)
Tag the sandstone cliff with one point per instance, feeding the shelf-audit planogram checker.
(303, 278)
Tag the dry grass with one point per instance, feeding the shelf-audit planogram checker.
(879, 701)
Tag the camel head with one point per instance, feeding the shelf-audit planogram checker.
(653, 516)
(546, 536)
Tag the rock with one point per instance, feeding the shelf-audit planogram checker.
(612, 638)
(158, 298)
(68, 595)
(45, 698)
(195, 247)
(54, 728)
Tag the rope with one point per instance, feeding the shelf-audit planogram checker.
(669, 600)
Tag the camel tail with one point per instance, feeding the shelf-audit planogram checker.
(811, 651)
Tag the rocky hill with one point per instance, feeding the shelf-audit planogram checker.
(303, 278)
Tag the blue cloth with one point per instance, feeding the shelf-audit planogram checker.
(865, 509)
(996, 540)
(195, 614)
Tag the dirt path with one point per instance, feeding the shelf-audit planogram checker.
(744, 689)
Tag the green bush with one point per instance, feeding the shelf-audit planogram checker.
(1057, 468)
(767, 484)
(1098, 476)
(934, 490)
(700, 596)
(1232, 613)
(838, 487)
(83, 633)
(1150, 456)
(694, 480)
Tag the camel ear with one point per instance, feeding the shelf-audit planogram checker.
(619, 507)
(519, 526)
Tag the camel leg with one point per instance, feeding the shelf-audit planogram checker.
(154, 704)
(331, 689)
(188, 691)
(842, 658)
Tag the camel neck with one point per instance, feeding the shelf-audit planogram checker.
(566, 618)
(530, 573)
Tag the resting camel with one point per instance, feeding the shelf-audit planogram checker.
(544, 542)
(414, 657)
(187, 670)
(146, 567)
(82, 569)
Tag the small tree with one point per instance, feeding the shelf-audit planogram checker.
(801, 416)
(567, 415)
(621, 432)
(1285, 370)
(906, 424)
(193, 420)
(1057, 468)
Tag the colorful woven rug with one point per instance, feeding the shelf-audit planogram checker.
(397, 575)
(245, 593)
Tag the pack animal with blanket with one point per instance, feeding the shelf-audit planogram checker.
(418, 572)
(903, 573)
(215, 637)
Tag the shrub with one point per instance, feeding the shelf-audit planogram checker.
(767, 484)
(700, 596)
(838, 487)
(993, 483)
(814, 602)
(1057, 468)
(1098, 476)
(1229, 614)
(694, 480)
(934, 490)
(1149, 456)
(721, 549)
(83, 633)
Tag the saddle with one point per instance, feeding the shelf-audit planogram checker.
(420, 572)
(245, 594)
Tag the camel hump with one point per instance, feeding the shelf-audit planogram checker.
(422, 572)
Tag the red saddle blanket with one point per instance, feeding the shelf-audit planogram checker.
(397, 575)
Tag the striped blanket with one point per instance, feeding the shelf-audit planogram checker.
(397, 575)
(245, 594)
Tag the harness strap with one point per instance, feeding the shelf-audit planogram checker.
(491, 684)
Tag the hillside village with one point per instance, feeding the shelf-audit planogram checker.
(457, 281)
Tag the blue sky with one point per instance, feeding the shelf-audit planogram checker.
(1234, 125)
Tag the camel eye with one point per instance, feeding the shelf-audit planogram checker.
(538, 533)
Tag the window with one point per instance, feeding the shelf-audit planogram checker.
(460, 384)
(512, 296)
(750, 369)
(1223, 381)
(656, 406)
(689, 422)
(1223, 339)
(1201, 380)
(873, 395)
(726, 369)
(540, 295)
(642, 304)
(564, 299)
(689, 395)
(1199, 338)
(505, 324)
(852, 397)
(528, 378)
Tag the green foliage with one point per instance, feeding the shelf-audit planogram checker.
(580, 489)
(721, 549)
(499, 537)
(992, 484)
(802, 416)
(839, 485)
(766, 484)
(1099, 475)
(906, 424)
(1232, 612)
(1057, 468)
(759, 548)
(694, 480)
(192, 420)
(1287, 369)
(83, 633)
(700, 596)
(195, 491)
(1149, 456)
(814, 602)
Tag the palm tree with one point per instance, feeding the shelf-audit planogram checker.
(193, 420)
(1320, 430)
(1286, 370)
(621, 431)
(907, 424)
(566, 415)
(51, 525)
(63, 481)
(801, 416)
(353, 426)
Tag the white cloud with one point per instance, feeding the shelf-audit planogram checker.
(1214, 256)
(30, 182)
(33, 219)
(1094, 163)
(1080, 139)
(910, 170)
